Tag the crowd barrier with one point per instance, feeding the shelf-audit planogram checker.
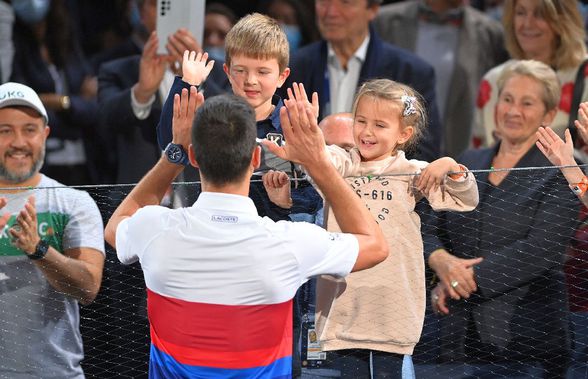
(116, 330)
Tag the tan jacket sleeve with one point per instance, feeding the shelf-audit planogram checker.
(458, 195)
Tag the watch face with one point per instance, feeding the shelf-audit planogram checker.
(174, 153)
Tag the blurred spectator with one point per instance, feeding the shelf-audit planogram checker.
(460, 42)
(217, 23)
(129, 43)
(494, 8)
(120, 122)
(337, 129)
(550, 31)
(6, 44)
(350, 53)
(131, 92)
(103, 25)
(296, 20)
(48, 58)
(240, 7)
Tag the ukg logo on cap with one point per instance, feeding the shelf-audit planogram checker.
(11, 95)
(16, 94)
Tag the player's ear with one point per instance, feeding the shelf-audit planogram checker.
(192, 156)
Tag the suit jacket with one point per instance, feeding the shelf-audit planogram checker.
(134, 143)
(309, 63)
(480, 47)
(522, 228)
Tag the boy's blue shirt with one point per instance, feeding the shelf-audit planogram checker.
(305, 200)
(271, 124)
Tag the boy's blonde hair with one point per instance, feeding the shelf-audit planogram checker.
(407, 101)
(538, 71)
(566, 21)
(259, 37)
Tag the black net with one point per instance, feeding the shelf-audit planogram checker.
(529, 315)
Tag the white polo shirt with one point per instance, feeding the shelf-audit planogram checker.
(220, 258)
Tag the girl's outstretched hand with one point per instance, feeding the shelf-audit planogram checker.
(433, 176)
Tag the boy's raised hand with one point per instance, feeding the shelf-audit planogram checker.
(185, 106)
(195, 70)
(558, 152)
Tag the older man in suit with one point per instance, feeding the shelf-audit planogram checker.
(350, 53)
(460, 42)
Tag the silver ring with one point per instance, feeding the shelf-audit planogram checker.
(454, 283)
(435, 297)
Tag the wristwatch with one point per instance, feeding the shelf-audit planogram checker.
(581, 187)
(176, 154)
(40, 251)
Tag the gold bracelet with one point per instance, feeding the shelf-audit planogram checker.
(65, 102)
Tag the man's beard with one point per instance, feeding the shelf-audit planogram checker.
(16, 178)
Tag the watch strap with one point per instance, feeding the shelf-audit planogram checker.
(183, 158)
(40, 251)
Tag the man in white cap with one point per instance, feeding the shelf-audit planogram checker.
(51, 249)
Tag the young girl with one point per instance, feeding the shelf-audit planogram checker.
(370, 320)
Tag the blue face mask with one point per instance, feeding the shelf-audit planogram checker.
(293, 35)
(31, 11)
(215, 52)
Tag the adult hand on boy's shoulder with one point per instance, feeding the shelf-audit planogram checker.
(195, 70)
